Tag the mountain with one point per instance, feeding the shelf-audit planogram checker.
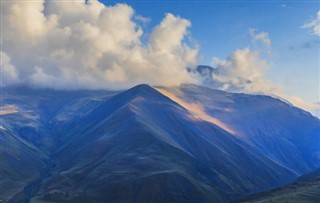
(21, 165)
(28, 136)
(305, 190)
(208, 75)
(284, 133)
(145, 144)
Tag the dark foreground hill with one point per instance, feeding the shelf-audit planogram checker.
(305, 190)
(188, 144)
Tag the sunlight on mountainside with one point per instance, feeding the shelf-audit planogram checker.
(197, 110)
(8, 109)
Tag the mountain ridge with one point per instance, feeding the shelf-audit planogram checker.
(113, 138)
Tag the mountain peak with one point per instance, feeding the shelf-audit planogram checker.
(142, 87)
(143, 90)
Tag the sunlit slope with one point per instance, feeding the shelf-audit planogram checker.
(197, 110)
(284, 133)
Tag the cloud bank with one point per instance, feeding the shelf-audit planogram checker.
(74, 44)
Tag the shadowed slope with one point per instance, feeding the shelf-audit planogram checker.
(21, 164)
(305, 190)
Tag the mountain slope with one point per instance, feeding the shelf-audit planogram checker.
(188, 144)
(140, 146)
(305, 190)
(28, 136)
(284, 133)
(21, 164)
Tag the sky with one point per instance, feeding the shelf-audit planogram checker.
(220, 27)
(113, 45)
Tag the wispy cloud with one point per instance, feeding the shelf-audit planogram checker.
(307, 45)
(313, 25)
(142, 19)
(260, 36)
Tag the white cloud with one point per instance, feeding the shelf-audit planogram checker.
(313, 25)
(77, 45)
(9, 73)
(260, 36)
(244, 71)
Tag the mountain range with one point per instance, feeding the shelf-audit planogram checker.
(151, 144)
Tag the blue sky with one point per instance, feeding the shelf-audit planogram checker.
(221, 27)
